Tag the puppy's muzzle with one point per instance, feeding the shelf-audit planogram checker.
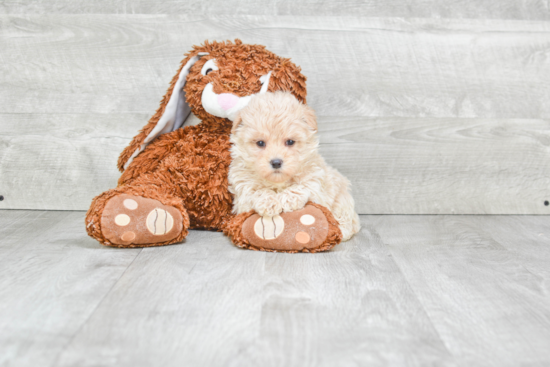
(276, 163)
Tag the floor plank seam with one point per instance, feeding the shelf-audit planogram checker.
(55, 363)
(377, 236)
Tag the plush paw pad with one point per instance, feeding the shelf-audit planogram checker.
(129, 219)
(159, 222)
(304, 229)
(269, 228)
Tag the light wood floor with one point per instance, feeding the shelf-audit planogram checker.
(407, 291)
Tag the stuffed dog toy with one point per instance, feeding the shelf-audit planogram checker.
(175, 179)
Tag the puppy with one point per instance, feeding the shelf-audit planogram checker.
(276, 166)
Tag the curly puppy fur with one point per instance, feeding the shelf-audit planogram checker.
(276, 166)
(188, 168)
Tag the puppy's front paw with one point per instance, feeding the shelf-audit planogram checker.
(268, 206)
(293, 201)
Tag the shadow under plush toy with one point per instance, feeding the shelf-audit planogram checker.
(175, 178)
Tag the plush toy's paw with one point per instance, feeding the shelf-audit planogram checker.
(311, 229)
(269, 206)
(134, 220)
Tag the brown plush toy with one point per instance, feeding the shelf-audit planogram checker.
(175, 179)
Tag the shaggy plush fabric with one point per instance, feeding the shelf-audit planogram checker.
(234, 230)
(93, 216)
(188, 168)
(240, 67)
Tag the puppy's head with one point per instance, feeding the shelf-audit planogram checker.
(274, 135)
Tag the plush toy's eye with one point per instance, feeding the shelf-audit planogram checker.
(209, 66)
(260, 143)
(289, 142)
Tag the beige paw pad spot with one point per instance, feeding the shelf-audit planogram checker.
(130, 204)
(269, 228)
(302, 237)
(307, 219)
(159, 221)
(128, 236)
(122, 220)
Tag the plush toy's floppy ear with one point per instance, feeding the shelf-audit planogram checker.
(169, 117)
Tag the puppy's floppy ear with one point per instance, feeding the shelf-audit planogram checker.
(236, 123)
(309, 117)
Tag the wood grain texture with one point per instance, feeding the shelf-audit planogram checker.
(484, 9)
(523, 242)
(396, 165)
(406, 291)
(355, 66)
(76, 88)
(206, 303)
(52, 278)
(481, 282)
(442, 166)
(61, 161)
(193, 304)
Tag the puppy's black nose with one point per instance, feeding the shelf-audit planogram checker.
(276, 163)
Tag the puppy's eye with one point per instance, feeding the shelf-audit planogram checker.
(207, 71)
(260, 143)
(289, 142)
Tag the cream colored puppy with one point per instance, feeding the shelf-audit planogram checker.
(276, 166)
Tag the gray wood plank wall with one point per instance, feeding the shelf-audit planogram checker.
(427, 109)
(481, 9)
